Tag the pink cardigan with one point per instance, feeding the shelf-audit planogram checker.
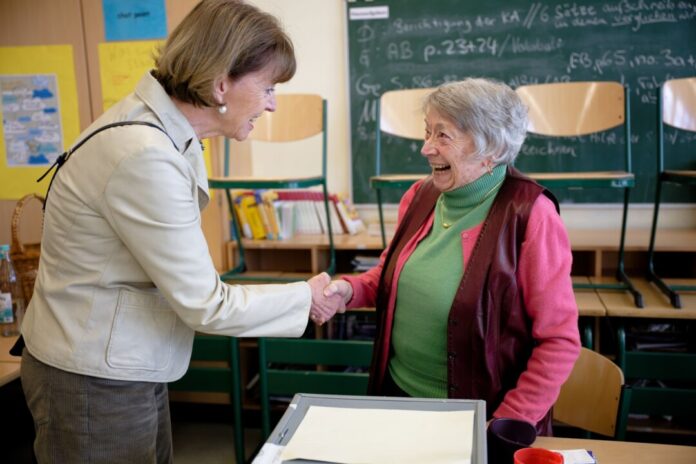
(544, 278)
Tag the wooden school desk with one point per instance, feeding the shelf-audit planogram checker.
(606, 452)
(622, 452)
(9, 365)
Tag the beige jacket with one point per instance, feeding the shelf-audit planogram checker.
(125, 275)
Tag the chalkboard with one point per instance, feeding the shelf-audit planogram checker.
(397, 44)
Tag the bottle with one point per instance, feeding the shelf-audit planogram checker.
(11, 297)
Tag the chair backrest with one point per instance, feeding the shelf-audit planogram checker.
(214, 369)
(665, 383)
(570, 109)
(401, 112)
(679, 103)
(214, 365)
(401, 115)
(288, 366)
(297, 117)
(591, 396)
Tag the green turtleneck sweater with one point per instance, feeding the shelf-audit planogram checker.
(427, 286)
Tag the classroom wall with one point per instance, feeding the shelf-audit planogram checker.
(318, 29)
(79, 23)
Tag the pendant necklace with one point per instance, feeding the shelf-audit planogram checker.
(446, 224)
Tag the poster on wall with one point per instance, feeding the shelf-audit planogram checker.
(134, 19)
(31, 119)
(122, 65)
(39, 107)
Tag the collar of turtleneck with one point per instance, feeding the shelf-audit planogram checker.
(471, 201)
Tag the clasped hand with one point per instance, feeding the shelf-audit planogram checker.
(328, 298)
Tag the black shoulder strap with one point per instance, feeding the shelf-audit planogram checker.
(66, 154)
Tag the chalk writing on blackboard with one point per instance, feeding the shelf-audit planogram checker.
(424, 44)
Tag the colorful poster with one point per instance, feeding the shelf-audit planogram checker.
(31, 119)
(121, 65)
(134, 19)
(39, 111)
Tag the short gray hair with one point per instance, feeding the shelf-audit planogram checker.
(489, 111)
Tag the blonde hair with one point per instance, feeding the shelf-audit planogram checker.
(489, 111)
(221, 37)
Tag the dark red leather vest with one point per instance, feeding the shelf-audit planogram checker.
(488, 333)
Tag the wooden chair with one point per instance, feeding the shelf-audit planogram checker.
(288, 366)
(590, 399)
(215, 369)
(400, 114)
(297, 117)
(676, 107)
(573, 109)
(661, 383)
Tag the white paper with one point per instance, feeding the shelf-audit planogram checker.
(369, 12)
(352, 435)
(269, 454)
(576, 456)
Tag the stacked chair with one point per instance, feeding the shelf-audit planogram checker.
(676, 107)
(573, 109)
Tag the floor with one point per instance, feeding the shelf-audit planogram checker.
(208, 443)
(203, 434)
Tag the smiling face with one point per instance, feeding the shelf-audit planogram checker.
(246, 98)
(450, 153)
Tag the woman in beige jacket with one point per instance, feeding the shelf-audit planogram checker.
(125, 276)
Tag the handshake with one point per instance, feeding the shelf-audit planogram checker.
(328, 297)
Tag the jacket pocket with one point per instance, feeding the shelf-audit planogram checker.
(142, 332)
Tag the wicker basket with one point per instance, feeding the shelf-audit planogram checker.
(25, 256)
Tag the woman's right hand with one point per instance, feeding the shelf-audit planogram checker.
(324, 306)
(342, 288)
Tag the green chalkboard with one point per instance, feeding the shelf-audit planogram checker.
(422, 43)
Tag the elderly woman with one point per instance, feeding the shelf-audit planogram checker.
(473, 294)
(125, 276)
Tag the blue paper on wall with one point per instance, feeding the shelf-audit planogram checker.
(134, 19)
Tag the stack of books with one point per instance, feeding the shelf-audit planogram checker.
(282, 214)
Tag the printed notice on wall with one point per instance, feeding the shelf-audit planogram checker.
(31, 119)
(121, 65)
(39, 106)
(134, 19)
(369, 12)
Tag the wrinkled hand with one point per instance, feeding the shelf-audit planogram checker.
(342, 288)
(323, 306)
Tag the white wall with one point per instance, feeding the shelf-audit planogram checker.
(318, 30)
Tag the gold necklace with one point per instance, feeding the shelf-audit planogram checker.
(446, 224)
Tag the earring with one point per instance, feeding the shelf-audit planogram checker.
(222, 109)
(489, 168)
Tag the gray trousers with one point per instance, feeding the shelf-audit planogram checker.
(83, 419)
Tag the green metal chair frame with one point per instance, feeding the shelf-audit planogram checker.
(676, 106)
(400, 114)
(217, 379)
(279, 126)
(660, 366)
(573, 109)
(305, 372)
